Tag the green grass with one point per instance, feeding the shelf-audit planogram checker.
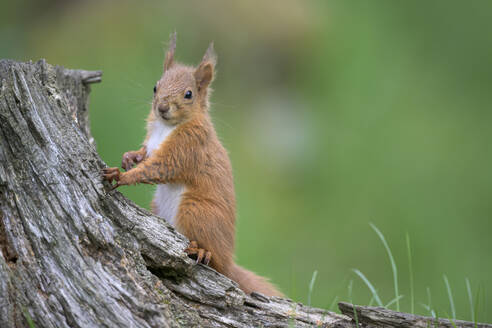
(410, 271)
(333, 303)
(393, 264)
(470, 299)
(370, 286)
(477, 304)
(429, 307)
(451, 320)
(349, 290)
(450, 296)
(375, 297)
(436, 320)
(355, 316)
(311, 286)
(394, 301)
(29, 320)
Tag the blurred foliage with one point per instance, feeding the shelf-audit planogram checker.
(335, 114)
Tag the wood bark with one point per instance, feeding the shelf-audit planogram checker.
(380, 317)
(74, 254)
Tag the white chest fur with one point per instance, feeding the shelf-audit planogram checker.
(159, 133)
(167, 196)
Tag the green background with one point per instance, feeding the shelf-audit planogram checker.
(335, 114)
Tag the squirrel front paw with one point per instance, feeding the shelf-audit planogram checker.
(130, 158)
(201, 254)
(111, 174)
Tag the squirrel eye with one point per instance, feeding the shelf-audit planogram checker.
(155, 89)
(188, 94)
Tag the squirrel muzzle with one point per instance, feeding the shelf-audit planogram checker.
(163, 108)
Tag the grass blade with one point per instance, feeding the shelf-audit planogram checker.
(371, 302)
(470, 299)
(349, 290)
(428, 306)
(451, 320)
(450, 296)
(349, 287)
(394, 301)
(355, 316)
(425, 306)
(429, 299)
(370, 286)
(392, 260)
(311, 286)
(333, 303)
(477, 303)
(436, 321)
(28, 318)
(410, 268)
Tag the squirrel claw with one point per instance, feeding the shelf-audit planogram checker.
(199, 255)
(208, 256)
(129, 159)
(116, 185)
(111, 174)
(202, 255)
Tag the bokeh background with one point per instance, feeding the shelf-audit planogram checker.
(335, 114)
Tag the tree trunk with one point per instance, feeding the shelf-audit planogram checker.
(74, 254)
(381, 317)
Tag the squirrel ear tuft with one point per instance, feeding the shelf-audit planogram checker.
(168, 61)
(210, 55)
(204, 74)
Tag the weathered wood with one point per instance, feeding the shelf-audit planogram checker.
(74, 254)
(369, 316)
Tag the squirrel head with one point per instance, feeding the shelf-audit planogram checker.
(183, 90)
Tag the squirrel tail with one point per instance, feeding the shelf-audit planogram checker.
(250, 282)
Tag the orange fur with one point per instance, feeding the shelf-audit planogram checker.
(193, 156)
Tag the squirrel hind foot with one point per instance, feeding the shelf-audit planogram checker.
(202, 255)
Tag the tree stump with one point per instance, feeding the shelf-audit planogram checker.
(75, 254)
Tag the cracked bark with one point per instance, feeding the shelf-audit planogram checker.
(74, 254)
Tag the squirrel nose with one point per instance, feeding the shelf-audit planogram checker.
(163, 108)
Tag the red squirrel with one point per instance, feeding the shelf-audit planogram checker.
(184, 157)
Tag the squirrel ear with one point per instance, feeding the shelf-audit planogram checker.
(168, 62)
(210, 55)
(204, 74)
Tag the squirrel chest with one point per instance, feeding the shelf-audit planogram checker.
(167, 196)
